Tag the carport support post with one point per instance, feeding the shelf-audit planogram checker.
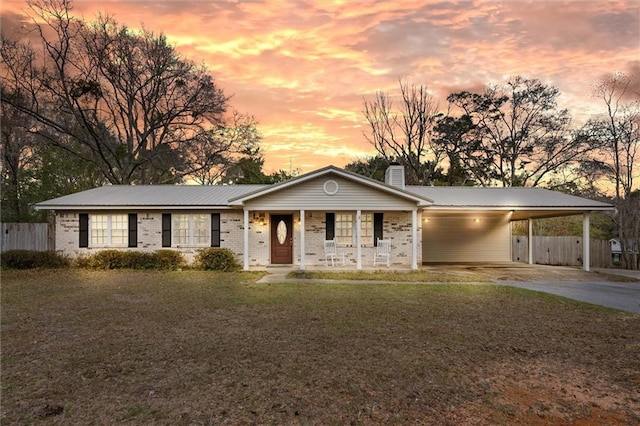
(246, 240)
(530, 240)
(303, 247)
(359, 239)
(585, 241)
(414, 239)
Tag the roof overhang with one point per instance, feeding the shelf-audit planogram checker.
(515, 213)
(93, 207)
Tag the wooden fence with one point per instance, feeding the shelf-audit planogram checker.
(27, 236)
(561, 251)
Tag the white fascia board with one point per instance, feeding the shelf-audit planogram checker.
(517, 208)
(130, 207)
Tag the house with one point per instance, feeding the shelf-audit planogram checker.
(287, 223)
(616, 249)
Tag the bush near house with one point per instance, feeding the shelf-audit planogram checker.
(32, 259)
(216, 259)
(116, 259)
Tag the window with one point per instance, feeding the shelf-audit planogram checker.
(201, 231)
(119, 229)
(109, 230)
(99, 225)
(344, 228)
(181, 229)
(366, 225)
(191, 229)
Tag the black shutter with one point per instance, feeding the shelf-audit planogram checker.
(84, 230)
(330, 220)
(133, 230)
(377, 228)
(215, 229)
(166, 229)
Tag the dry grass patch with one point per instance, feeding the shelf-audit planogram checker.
(419, 276)
(194, 347)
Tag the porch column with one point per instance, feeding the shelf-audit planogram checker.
(245, 243)
(414, 239)
(586, 261)
(303, 247)
(359, 239)
(530, 240)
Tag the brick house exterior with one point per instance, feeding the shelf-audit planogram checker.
(288, 223)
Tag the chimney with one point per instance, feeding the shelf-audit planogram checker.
(394, 175)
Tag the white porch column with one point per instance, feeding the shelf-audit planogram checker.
(530, 240)
(586, 261)
(414, 239)
(245, 248)
(359, 239)
(303, 246)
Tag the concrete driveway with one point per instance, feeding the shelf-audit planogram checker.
(623, 296)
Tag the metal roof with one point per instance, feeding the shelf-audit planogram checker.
(151, 196)
(226, 196)
(513, 197)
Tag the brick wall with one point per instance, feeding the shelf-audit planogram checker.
(396, 227)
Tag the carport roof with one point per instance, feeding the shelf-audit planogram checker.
(522, 202)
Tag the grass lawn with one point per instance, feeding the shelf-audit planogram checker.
(192, 347)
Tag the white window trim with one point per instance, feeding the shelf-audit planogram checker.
(191, 231)
(108, 242)
(370, 229)
(354, 230)
(339, 239)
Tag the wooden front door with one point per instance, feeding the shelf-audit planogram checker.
(282, 239)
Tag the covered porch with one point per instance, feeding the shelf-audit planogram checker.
(296, 238)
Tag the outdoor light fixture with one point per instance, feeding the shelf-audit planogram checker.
(476, 220)
(260, 218)
(426, 220)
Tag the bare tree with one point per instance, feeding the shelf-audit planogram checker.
(515, 134)
(218, 149)
(617, 133)
(18, 143)
(405, 135)
(127, 98)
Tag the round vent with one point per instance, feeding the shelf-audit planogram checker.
(330, 187)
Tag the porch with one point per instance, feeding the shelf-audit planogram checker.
(295, 239)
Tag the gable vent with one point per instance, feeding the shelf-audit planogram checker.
(394, 175)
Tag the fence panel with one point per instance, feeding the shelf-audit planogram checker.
(561, 251)
(27, 236)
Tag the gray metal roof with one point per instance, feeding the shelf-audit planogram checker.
(151, 196)
(470, 197)
(219, 196)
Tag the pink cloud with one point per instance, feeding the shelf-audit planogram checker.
(302, 68)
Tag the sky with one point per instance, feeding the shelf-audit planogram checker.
(303, 68)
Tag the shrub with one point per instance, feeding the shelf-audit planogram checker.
(168, 259)
(216, 259)
(117, 259)
(30, 259)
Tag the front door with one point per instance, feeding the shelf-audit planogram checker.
(282, 239)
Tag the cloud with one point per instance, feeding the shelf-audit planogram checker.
(303, 67)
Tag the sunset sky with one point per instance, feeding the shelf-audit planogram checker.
(303, 68)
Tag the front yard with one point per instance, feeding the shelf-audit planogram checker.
(193, 347)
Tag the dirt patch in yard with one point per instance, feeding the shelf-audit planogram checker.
(523, 272)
